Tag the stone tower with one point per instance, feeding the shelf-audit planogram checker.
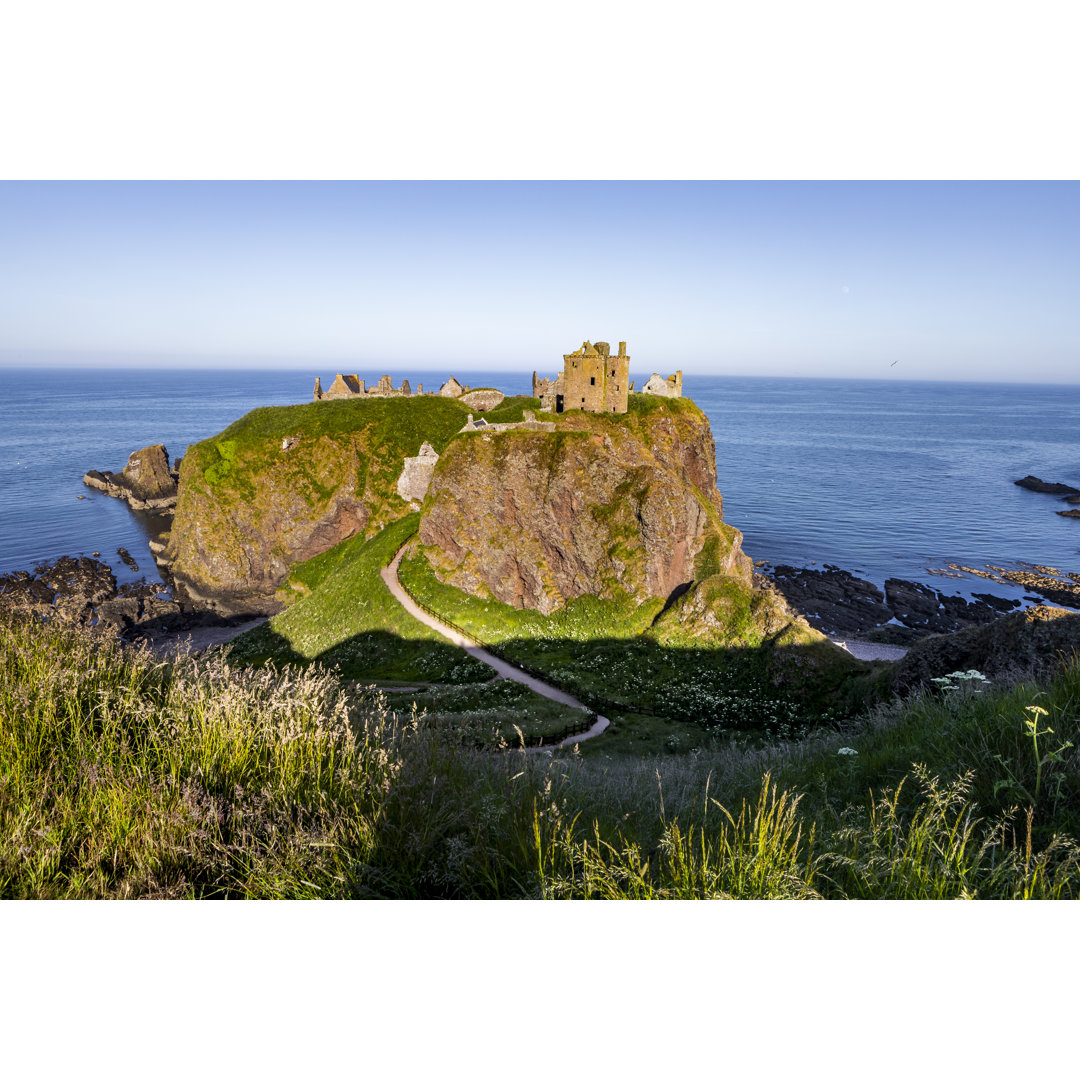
(592, 379)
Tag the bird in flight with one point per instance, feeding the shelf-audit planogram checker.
(894, 363)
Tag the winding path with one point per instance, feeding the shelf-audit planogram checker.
(389, 574)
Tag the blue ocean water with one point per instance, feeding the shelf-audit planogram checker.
(886, 479)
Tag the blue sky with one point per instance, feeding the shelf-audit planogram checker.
(950, 280)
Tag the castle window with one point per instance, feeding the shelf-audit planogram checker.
(582, 401)
(592, 381)
(612, 371)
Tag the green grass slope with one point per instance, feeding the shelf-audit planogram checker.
(661, 694)
(348, 618)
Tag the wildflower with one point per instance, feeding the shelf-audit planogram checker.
(847, 751)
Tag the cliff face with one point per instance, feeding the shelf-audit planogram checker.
(285, 484)
(603, 506)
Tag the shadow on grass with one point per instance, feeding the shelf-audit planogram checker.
(376, 655)
(774, 691)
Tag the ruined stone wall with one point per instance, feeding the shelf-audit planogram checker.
(617, 381)
(482, 400)
(344, 386)
(416, 474)
(661, 387)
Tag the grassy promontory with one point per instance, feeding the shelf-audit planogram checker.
(123, 776)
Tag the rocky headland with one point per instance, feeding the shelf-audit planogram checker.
(622, 508)
(283, 485)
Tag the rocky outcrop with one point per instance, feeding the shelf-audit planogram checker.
(1068, 513)
(285, 484)
(837, 602)
(84, 591)
(1024, 644)
(832, 599)
(1033, 483)
(230, 553)
(70, 587)
(602, 507)
(147, 482)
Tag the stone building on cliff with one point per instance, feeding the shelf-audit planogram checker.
(592, 380)
(350, 386)
(669, 387)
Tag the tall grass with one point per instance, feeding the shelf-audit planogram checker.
(124, 776)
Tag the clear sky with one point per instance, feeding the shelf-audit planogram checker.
(950, 280)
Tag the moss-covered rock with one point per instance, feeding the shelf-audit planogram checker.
(285, 484)
(607, 506)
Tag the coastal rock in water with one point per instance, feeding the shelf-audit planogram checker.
(1033, 483)
(603, 507)
(923, 608)
(837, 602)
(146, 482)
(147, 475)
(1068, 513)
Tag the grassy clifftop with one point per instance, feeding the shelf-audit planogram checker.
(282, 485)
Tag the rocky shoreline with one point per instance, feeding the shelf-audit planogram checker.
(83, 591)
(837, 602)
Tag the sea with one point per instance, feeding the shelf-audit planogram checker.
(881, 478)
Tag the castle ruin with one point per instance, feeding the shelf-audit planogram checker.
(592, 380)
(352, 386)
(348, 386)
(669, 387)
